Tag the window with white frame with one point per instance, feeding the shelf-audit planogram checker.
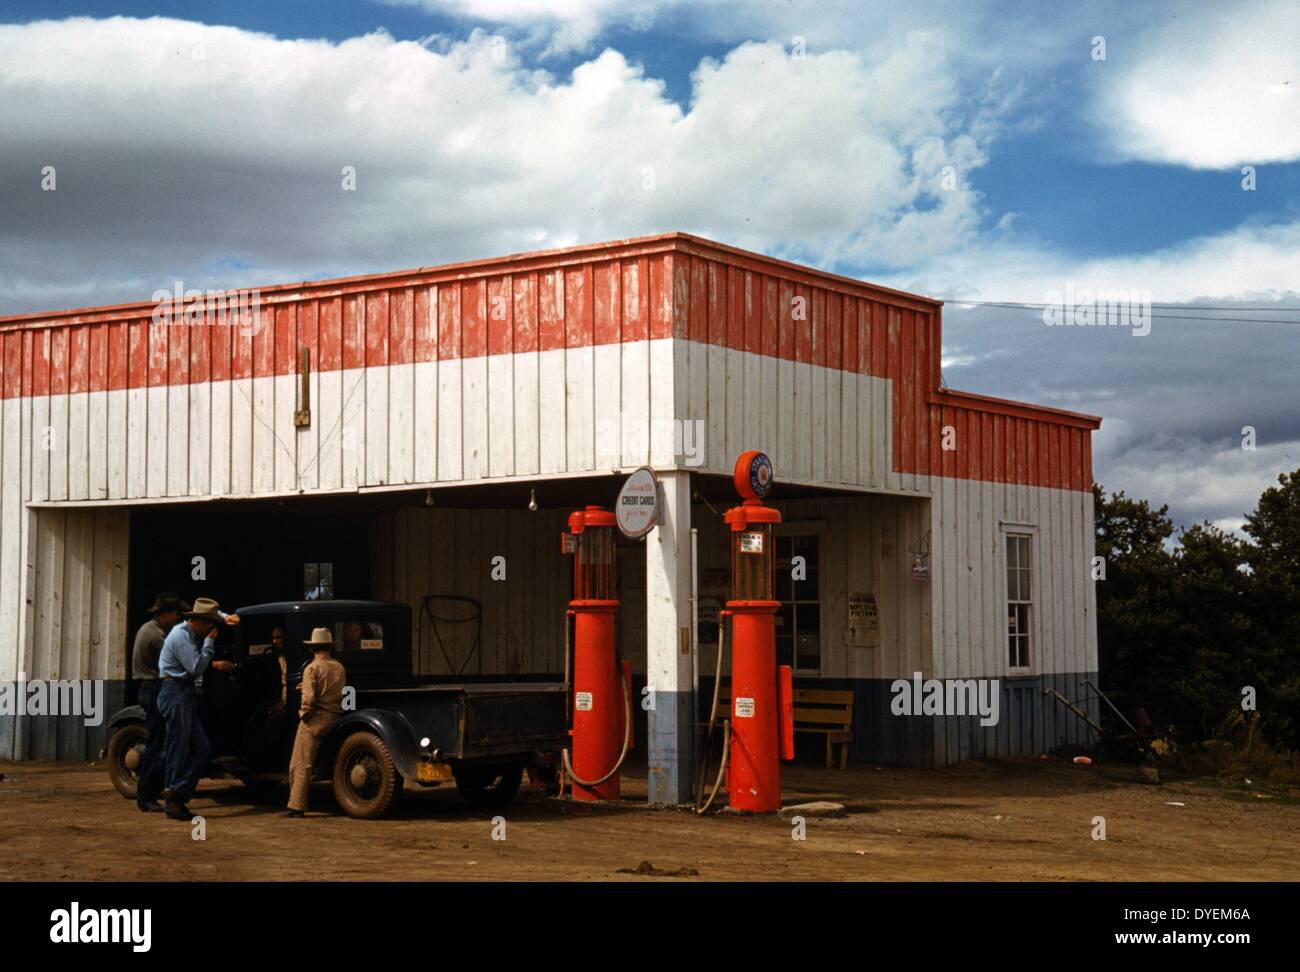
(798, 619)
(1020, 599)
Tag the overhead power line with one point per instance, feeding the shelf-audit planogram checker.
(1154, 314)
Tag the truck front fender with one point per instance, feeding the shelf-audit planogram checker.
(132, 713)
(391, 727)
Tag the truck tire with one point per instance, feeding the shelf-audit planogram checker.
(366, 781)
(124, 751)
(488, 787)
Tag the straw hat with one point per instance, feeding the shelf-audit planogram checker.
(205, 609)
(320, 639)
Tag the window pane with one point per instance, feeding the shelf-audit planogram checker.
(810, 654)
(785, 619)
(783, 581)
(808, 618)
(809, 589)
(785, 650)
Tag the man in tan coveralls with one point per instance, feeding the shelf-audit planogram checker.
(322, 704)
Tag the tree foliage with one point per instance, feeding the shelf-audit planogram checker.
(1185, 624)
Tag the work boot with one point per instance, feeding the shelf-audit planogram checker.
(148, 806)
(291, 812)
(178, 811)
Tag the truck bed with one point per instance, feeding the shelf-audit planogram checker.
(476, 720)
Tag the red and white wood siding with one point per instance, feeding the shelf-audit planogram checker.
(531, 367)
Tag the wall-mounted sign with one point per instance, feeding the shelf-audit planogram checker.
(864, 620)
(637, 509)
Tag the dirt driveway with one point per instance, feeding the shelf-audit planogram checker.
(983, 821)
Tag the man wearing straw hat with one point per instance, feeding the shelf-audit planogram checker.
(186, 655)
(323, 681)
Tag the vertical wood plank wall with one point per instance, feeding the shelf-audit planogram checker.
(575, 362)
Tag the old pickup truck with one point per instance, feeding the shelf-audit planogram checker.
(396, 727)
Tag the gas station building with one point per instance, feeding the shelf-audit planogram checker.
(422, 437)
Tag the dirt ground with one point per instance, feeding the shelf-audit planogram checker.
(1003, 821)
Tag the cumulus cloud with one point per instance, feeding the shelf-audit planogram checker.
(554, 27)
(1174, 401)
(1251, 262)
(216, 154)
(1212, 91)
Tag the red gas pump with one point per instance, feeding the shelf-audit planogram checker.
(602, 699)
(761, 730)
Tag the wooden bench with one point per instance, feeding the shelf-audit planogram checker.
(825, 712)
(828, 712)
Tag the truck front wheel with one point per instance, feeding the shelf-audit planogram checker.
(488, 787)
(366, 781)
(125, 749)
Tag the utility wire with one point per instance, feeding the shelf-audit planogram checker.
(1154, 303)
(1154, 315)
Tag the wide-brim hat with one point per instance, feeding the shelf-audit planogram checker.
(320, 638)
(167, 601)
(205, 609)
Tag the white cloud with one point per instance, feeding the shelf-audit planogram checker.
(1214, 480)
(180, 146)
(554, 26)
(1250, 262)
(1212, 91)
(1204, 86)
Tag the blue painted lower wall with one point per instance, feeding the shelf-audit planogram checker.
(1029, 722)
(64, 736)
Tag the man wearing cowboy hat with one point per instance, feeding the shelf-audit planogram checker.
(166, 611)
(186, 654)
(323, 681)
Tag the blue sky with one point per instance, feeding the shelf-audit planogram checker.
(1052, 177)
(206, 145)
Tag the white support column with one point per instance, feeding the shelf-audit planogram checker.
(668, 645)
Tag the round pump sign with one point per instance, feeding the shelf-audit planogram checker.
(637, 509)
(753, 475)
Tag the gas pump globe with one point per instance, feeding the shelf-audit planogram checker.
(762, 716)
(601, 695)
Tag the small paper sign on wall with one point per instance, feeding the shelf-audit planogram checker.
(864, 620)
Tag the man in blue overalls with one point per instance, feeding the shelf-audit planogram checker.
(186, 654)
